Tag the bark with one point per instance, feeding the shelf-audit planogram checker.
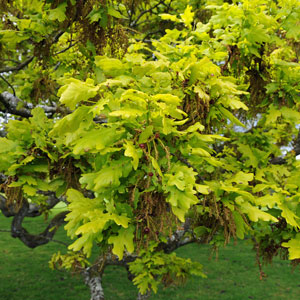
(10, 103)
(144, 296)
(3, 133)
(33, 210)
(18, 67)
(31, 240)
(94, 281)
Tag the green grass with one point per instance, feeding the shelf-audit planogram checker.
(24, 274)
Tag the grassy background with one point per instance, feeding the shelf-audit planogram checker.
(24, 274)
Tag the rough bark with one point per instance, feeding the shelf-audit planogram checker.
(31, 240)
(144, 296)
(33, 209)
(94, 281)
(10, 103)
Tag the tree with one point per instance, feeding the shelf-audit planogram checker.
(159, 123)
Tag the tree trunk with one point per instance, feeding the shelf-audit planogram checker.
(94, 282)
(144, 296)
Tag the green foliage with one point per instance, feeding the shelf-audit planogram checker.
(71, 261)
(294, 247)
(154, 267)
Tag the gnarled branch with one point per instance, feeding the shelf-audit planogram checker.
(31, 240)
(34, 210)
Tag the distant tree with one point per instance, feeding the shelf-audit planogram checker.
(158, 123)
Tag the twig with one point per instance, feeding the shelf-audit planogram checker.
(134, 23)
(3, 78)
(29, 60)
(6, 59)
(59, 242)
(66, 49)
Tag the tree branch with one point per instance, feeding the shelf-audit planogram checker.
(11, 102)
(30, 59)
(296, 149)
(30, 240)
(66, 49)
(135, 22)
(94, 281)
(18, 67)
(144, 296)
(297, 144)
(34, 210)
(3, 133)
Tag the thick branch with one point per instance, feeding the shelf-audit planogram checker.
(30, 240)
(93, 280)
(11, 102)
(3, 133)
(34, 210)
(179, 238)
(278, 161)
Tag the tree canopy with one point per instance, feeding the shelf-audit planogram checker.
(158, 123)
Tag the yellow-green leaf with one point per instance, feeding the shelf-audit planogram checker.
(255, 213)
(94, 226)
(188, 16)
(294, 247)
(120, 220)
(122, 240)
(230, 116)
(110, 66)
(195, 127)
(289, 215)
(169, 17)
(76, 91)
(242, 178)
(203, 189)
(130, 151)
(200, 152)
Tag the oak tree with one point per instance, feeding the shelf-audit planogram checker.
(158, 123)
